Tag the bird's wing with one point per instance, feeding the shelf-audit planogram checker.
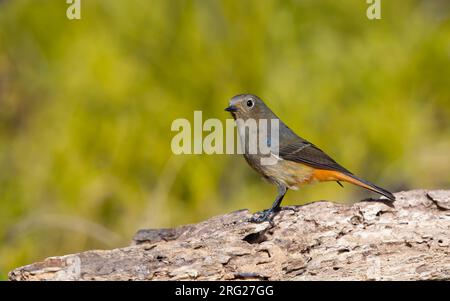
(301, 151)
(307, 153)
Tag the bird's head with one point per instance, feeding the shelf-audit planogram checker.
(249, 106)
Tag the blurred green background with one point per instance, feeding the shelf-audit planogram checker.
(86, 108)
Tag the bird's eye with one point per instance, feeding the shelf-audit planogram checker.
(250, 103)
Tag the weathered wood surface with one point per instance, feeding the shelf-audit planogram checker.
(368, 240)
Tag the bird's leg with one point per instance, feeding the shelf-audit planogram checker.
(269, 214)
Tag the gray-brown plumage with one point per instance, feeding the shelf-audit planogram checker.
(298, 162)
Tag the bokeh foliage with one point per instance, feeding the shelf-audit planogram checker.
(86, 108)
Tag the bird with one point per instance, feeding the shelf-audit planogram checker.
(298, 161)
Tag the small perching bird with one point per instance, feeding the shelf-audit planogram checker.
(297, 161)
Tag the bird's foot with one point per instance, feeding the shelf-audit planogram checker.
(264, 216)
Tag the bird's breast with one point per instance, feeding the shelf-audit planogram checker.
(288, 173)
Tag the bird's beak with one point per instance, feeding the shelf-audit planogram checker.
(231, 108)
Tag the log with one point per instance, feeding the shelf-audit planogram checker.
(369, 240)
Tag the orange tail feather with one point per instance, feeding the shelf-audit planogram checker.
(332, 175)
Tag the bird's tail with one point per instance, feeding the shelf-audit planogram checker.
(367, 185)
(334, 175)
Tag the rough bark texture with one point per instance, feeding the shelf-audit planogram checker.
(369, 240)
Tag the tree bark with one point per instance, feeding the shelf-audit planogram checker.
(370, 240)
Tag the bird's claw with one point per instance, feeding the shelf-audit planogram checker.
(264, 216)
